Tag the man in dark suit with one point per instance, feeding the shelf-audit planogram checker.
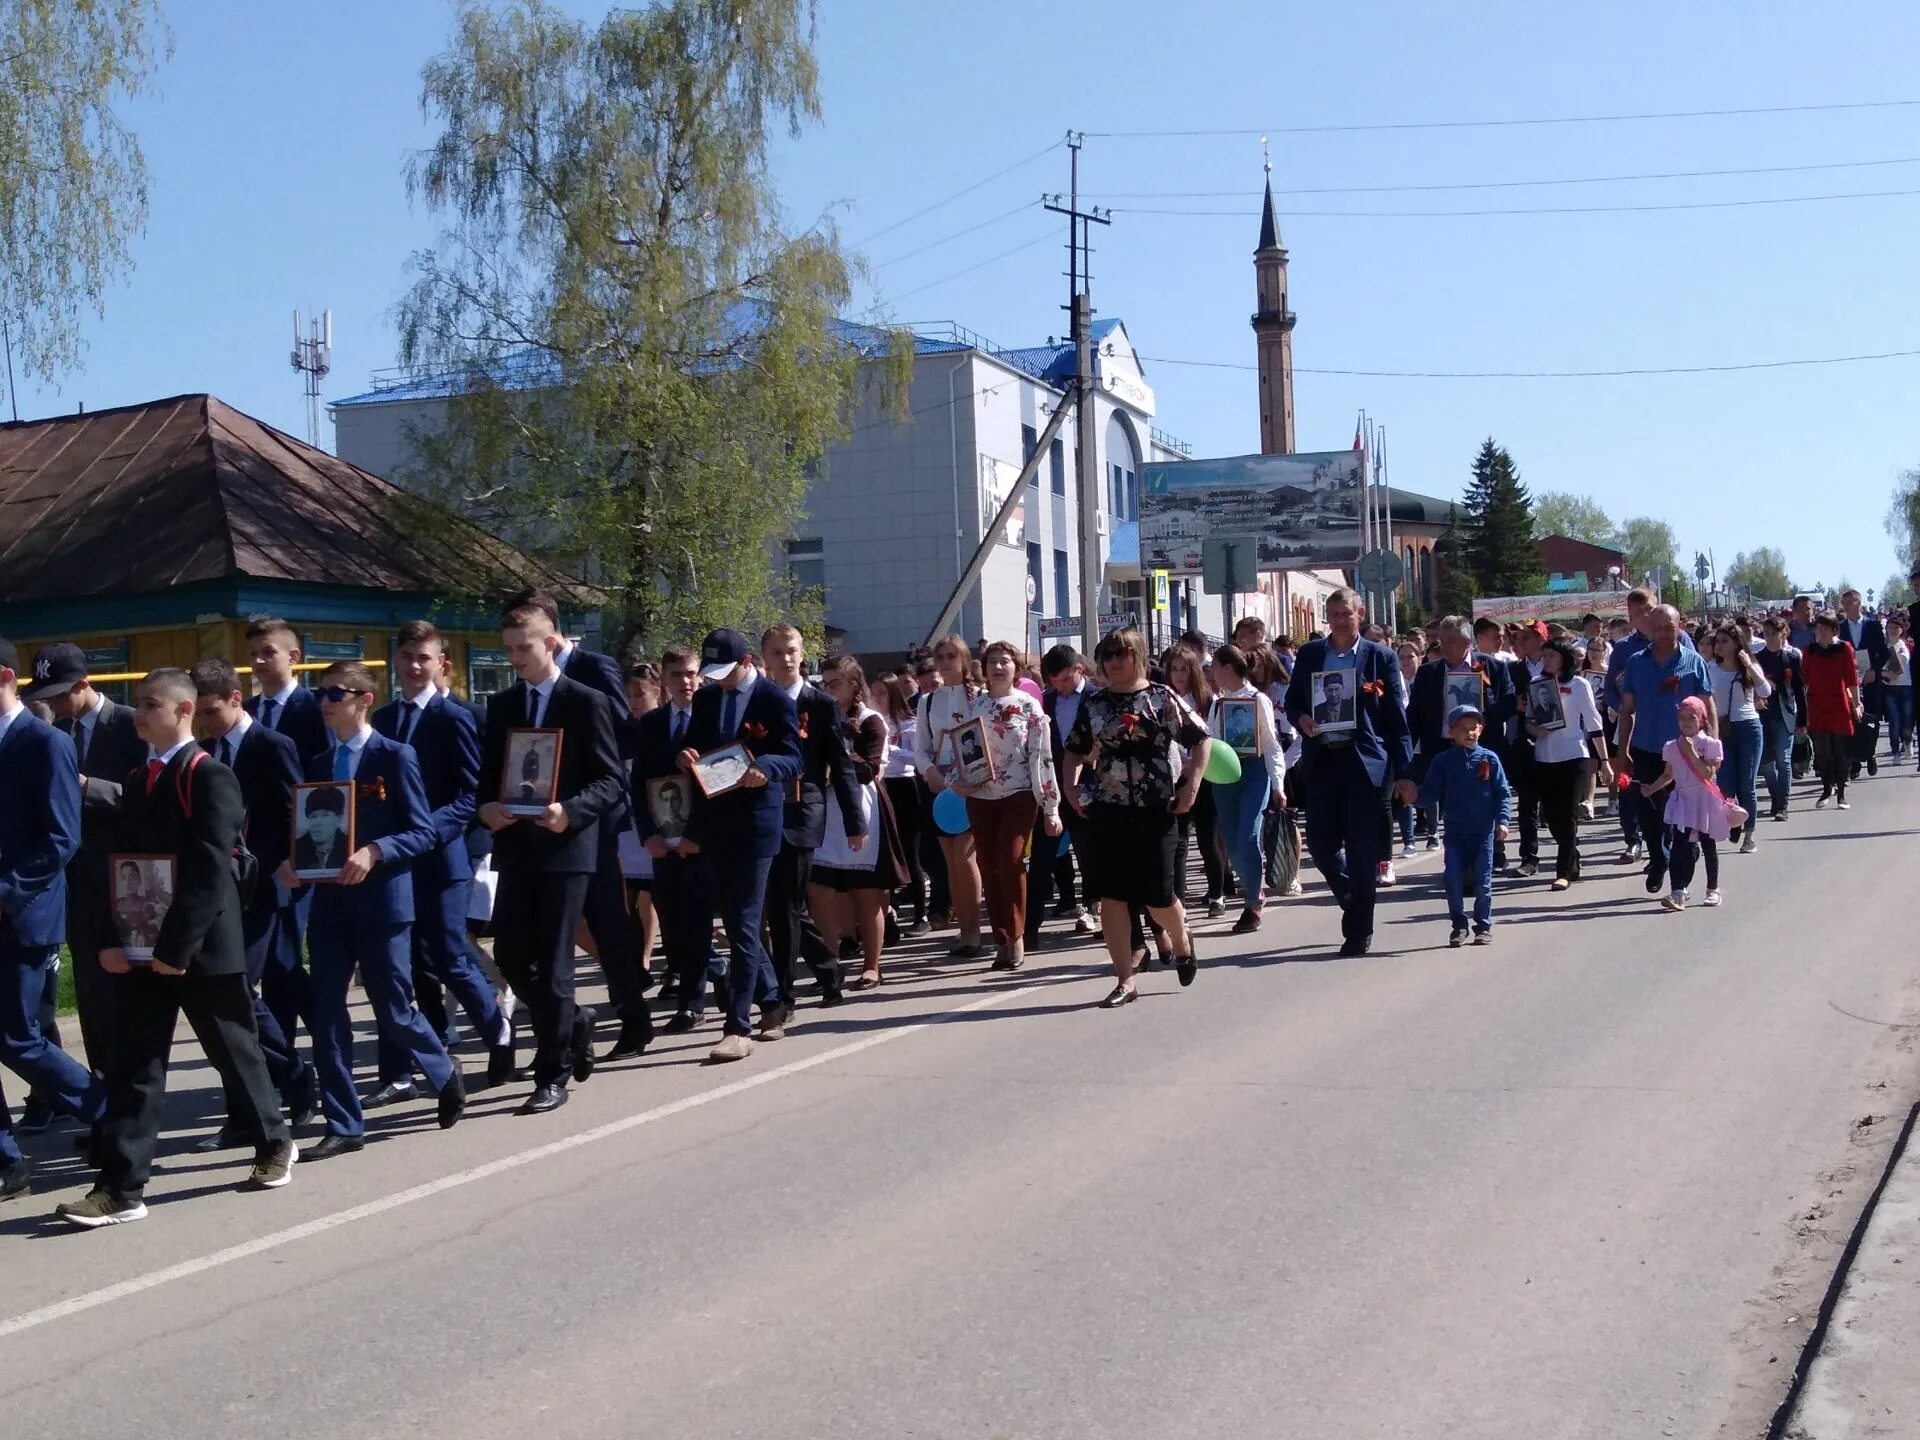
(184, 805)
(1871, 652)
(607, 911)
(106, 748)
(791, 932)
(680, 894)
(446, 741)
(1348, 773)
(365, 919)
(547, 862)
(267, 765)
(1049, 862)
(39, 835)
(740, 830)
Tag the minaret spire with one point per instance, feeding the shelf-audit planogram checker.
(1273, 327)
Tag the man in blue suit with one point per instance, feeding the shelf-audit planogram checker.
(1348, 770)
(367, 916)
(39, 834)
(445, 740)
(739, 829)
(267, 765)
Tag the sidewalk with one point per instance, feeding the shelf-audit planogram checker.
(1865, 1382)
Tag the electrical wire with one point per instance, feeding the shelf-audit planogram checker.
(1243, 193)
(978, 265)
(1650, 208)
(958, 194)
(1499, 124)
(944, 239)
(1555, 374)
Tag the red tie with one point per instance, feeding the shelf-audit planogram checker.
(154, 767)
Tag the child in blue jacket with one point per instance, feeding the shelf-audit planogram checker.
(1471, 788)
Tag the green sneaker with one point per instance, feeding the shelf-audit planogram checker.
(273, 1168)
(102, 1207)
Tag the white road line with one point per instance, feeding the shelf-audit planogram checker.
(186, 1269)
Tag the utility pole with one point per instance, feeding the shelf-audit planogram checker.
(1079, 308)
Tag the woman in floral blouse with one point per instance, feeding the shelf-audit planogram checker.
(937, 714)
(1001, 811)
(1128, 732)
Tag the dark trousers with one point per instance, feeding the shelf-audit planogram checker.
(909, 819)
(535, 917)
(739, 891)
(1687, 850)
(1557, 789)
(1830, 750)
(1469, 869)
(337, 940)
(148, 1008)
(609, 919)
(1343, 835)
(9, 1147)
(933, 860)
(685, 909)
(442, 960)
(93, 989)
(1526, 800)
(53, 1075)
(791, 934)
(1198, 829)
(1050, 870)
(261, 927)
(1651, 810)
(284, 984)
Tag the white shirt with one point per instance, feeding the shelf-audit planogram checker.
(1903, 653)
(543, 692)
(406, 725)
(1066, 708)
(353, 748)
(940, 712)
(1731, 698)
(84, 723)
(165, 757)
(1583, 719)
(279, 702)
(1266, 733)
(7, 718)
(230, 741)
(793, 690)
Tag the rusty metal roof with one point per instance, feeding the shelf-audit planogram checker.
(172, 492)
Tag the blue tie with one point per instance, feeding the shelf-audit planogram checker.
(342, 763)
(269, 712)
(727, 722)
(679, 728)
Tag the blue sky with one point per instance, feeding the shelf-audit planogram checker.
(278, 134)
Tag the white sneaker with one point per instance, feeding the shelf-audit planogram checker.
(1296, 888)
(1841, 805)
(1407, 851)
(1586, 810)
(1387, 877)
(1747, 843)
(1712, 898)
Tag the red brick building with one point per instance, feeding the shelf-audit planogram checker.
(1575, 565)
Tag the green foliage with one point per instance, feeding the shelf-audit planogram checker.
(1499, 544)
(1763, 570)
(1578, 517)
(73, 180)
(653, 367)
(1898, 591)
(1903, 519)
(1453, 581)
(1649, 544)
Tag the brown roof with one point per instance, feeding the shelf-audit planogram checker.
(184, 490)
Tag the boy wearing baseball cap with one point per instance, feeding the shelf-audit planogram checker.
(1469, 784)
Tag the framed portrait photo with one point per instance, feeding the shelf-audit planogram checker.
(140, 891)
(1335, 703)
(1240, 724)
(322, 828)
(530, 775)
(669, 804)
(719, 771)
(1544, 708)
(1464, 688)
(972, 756)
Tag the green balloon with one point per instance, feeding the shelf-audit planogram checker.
(1223, 765)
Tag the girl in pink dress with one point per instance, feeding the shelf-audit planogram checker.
(1697, 815)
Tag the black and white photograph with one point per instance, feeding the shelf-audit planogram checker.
(322, 829)
(530, 778)
(141, 889)
(1240, 724)
(719, 771)
(1464, 687)
(972, 756)
(669, 803)
(1333, 702)
(1544, 710)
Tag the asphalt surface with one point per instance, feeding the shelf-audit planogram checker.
(1588, 1181)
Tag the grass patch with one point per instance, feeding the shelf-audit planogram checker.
(68, 1001)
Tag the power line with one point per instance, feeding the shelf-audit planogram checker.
(1242, 214)
(1243, 193)
(978, 265)
(1020, 209)
(958, 194)
(1498, 124)
(1554, 374)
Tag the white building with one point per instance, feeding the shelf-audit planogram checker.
(901, 504)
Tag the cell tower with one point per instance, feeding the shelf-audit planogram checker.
(313, 357)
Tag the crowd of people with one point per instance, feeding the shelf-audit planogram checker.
(241, 852)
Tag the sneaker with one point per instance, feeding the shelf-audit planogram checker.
(1528, 868)
(1387, 877)
(1841, 804)
(1586, 810)
(919, 928)
(1821, 803)
(731, 1047)
(36, 1118)
(1675, 902)
(1560, 882)
(1216, 908)
(1083, 924)
(273, 1168)
(1747, 843)
(1631, 855)
(1712, 899)
(773, 1023)
(1433, 842)
(1483, 937)
(1248, 922)
(1457, 939)
(1407, 852)
(1296, 888)
(101, 1207)
(1780, 816)
(15, 1181)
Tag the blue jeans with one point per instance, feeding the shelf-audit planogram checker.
(49, 1071)
(1899, 700)
(1743, 742)
(1470, 858)
(1238, 808)
(1776, 761)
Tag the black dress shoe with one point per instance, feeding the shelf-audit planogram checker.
(331, 1145)
(635, 1037)
(583, 1019)
(547, 1097)
(304, 1103)
(227, 1137)
(681, 1023)
(1356, 947)
(453, 1099)
(500, 1063)
(35, 1119)
(830, 998)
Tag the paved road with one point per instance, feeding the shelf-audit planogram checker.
(1587, 1182)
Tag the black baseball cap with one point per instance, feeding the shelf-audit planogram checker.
(721, 653)
(56, 670)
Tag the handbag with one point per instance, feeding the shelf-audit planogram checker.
(1280, 845)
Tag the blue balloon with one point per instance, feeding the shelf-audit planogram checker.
(950, 812)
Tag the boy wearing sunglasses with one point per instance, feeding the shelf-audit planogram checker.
(367, 916)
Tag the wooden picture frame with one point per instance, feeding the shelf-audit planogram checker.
(140, 890)
(1546, 708)
(972, 755)
(670, 805)
(530, 770)
(323, 828)
(1240, 725)
(719, 771)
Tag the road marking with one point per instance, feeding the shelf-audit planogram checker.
(186, 1269)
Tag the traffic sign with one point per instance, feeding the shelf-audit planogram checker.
(1033, 590)
(1379, 572)
(1230, 564)
(1160, 590)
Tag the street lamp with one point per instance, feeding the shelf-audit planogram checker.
(1613, 577)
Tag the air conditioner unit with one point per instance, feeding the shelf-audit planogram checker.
(1103, 525)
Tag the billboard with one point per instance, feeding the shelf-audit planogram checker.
(1607, 604)
(1303, 510)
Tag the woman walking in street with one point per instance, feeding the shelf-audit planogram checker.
(1783, 716)
(852, 878)
(1833, 707)
(1128, 733)
(1896, 687)
(939, 714)
(894, 697)
(1242, 718)
(1560, 755)
(1186, 672)
(1740, 688)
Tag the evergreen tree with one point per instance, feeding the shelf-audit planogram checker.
(1499, 544)
(1453, 580)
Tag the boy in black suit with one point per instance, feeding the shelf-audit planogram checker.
(547, 862)
(189, 807)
